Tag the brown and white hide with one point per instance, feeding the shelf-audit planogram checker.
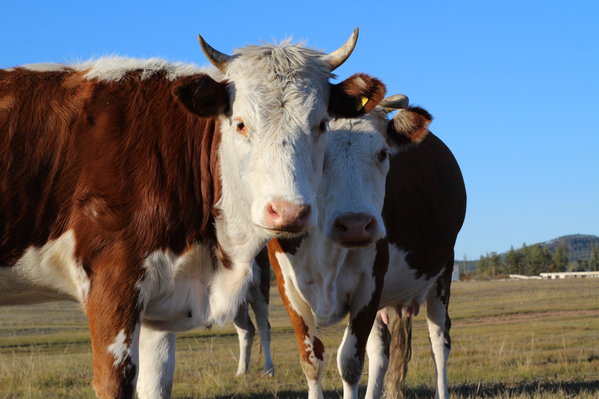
(143, 189)
(391, 204)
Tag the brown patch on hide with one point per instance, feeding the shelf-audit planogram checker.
(113, 309)
(361, 325)
(291, 245)
(299, 325)
(425, 204)
(124, 167)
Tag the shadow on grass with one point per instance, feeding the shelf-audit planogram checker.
(461, 391)
(509, 390)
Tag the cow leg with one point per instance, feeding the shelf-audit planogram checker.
(157, 363)
(377, 349)
(363, 312)
(114, 311)
(439, 323)
(260, 308)
(311, 349)
(245, 333)
(350, 357)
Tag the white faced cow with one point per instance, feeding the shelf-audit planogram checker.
(354, 263)
(144, 189)
(258, 297)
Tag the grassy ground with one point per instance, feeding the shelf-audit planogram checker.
(510, 339)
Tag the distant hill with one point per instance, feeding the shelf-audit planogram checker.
(579, 247)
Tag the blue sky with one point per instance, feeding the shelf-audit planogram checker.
(513, 85)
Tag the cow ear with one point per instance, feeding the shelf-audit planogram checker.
(202, 95)
(408, 126)
(355, 96)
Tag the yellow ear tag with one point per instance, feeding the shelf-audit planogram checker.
(361, 103)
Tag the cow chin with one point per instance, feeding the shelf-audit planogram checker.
(356, 244)
(286, 234)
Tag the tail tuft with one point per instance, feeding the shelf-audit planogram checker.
(400, 354)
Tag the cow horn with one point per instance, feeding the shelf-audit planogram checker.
(398, 101)
(339, 56)
(216, 58)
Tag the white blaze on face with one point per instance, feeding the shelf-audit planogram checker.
(355, 172)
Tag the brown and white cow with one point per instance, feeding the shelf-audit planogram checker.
(355, 264)
(144, 189)
(258, 298)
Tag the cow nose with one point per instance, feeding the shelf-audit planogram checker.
(285, 216)
(354, 229)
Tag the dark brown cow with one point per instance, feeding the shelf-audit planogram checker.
(339, 268)
(144, 189)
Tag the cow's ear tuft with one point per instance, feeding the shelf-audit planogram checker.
(408, 126)
(355, 96)
(202, 95)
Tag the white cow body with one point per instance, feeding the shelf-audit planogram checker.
(335, 270)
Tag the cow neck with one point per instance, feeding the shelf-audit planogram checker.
(329, 256)
(238, 239)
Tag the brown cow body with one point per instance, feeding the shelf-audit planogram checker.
(134, 187)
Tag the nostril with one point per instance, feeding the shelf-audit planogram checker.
(271, 212)
(305, 213)
(341, 227)
(370, 225)
(283, 215)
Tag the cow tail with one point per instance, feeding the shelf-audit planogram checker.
(400, 353)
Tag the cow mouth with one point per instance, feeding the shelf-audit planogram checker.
(355, 244)
(286, 233)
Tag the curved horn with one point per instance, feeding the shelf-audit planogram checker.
(216, 58)
(339, 56)
(398, 101)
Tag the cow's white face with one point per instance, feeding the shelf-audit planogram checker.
(353, 184)
(355, 170)
(274, 136)
(274, 105)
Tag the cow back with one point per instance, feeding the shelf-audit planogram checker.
(425, 204)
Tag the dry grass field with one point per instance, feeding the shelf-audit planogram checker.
(511, 339)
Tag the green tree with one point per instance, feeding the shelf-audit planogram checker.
(483, 265)
(560, 258)
(594, 257)
(494, 263)
(537, 260)
(526, 266)
(511, 261)
(582, 265)
(548, 266)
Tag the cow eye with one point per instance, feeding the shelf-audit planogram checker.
(241, 128)
(383, 155)
(322, 128)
